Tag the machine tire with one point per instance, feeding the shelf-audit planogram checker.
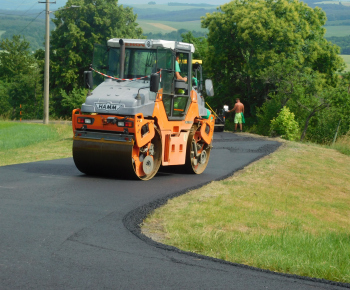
(157, 157)
(219, 129)
(190, 166)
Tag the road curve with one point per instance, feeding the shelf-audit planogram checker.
(60, 229)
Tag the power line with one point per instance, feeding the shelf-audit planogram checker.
(29, 8)
(20, 5)
(31, 22)
(17, 14)
(24, 14)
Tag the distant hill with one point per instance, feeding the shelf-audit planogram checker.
(31, 26)
(24, 5)
(157, 18)
(177, 16)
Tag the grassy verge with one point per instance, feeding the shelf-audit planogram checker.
(288, 213)
(343, 144)
(21, 142)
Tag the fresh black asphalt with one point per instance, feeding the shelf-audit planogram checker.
(60, 229)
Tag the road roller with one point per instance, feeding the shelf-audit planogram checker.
(144, 109)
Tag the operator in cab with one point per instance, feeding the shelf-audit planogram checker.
(177, 69)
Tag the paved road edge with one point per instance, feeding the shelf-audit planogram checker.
(133, 220)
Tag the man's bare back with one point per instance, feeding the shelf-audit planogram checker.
(238, 108)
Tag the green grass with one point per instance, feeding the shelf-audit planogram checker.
(288, 212)
(340, 30)
(22, 142)
(17, 135)
(342, 144)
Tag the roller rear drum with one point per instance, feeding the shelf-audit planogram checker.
(118, 159)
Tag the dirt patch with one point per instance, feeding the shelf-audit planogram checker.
(163, 26)
(154, 231)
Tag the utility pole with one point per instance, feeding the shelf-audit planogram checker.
(47, 59)
(47, 62)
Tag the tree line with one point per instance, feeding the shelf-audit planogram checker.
(342, 42)
(272, 54)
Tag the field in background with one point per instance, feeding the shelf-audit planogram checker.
(151, 26)
(345, 3)
(341, 30)
(335, 22)
(169, 8)
(347, 61)
(148, 19)
(288, 212)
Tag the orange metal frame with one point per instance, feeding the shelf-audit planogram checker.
(174, 134)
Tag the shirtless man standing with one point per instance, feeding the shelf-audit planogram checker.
(238, 108)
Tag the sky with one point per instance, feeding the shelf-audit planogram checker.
(24, 5)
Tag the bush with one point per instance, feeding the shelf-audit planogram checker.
(229, 124)
(322, 127)
(73, 100)
(265, 114)
(284, 125)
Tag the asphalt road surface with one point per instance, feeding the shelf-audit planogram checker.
(60, 229)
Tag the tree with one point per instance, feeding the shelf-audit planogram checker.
(15, 58)
(306, 93)
(5, 106)
(77, 30)
(247, 36)
(20, 79)
(284, 81)
(200, 44)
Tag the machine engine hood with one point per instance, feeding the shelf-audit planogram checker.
(112, 97)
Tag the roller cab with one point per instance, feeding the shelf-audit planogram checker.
(137, 116)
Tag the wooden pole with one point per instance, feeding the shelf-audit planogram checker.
(336, 133)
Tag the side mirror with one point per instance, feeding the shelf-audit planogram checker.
(209, 87)
(154, 83)
(88, 81)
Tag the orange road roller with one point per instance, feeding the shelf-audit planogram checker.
(144, 109)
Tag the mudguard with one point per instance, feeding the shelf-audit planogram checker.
(207, 129)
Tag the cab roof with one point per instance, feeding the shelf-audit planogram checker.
(152, 44)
